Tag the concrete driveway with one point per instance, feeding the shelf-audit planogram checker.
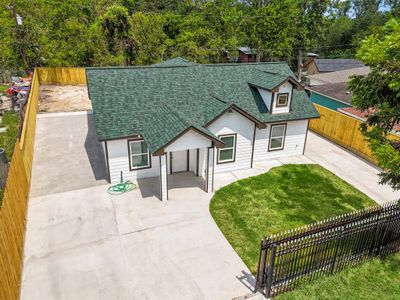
(86, 244)
(67, 154)
(82, 243)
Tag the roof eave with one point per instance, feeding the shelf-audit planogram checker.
(258, 123)
(161, 150)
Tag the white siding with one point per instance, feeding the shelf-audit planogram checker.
(190, 140)
(119, 161)
(228, 123)
(193, 160)
(163, 177)
(287, 87)
(294, 141)
(235, 123)
(211, 166)
(202, 162)
(267, 97)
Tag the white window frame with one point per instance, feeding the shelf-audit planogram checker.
(282, 136)
(277, 99)
(131, 168)
(219, 161)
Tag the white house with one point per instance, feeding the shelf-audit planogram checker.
(178, 116)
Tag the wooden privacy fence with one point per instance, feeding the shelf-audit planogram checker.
(15, 201)
(343, 130)
(62, 76)
(303, 254)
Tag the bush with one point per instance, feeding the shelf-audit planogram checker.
(9, 138)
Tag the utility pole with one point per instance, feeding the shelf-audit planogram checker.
(299, 63)
(18, 23)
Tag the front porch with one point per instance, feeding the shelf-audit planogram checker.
(186, 168)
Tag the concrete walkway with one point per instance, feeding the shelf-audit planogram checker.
(350, 167)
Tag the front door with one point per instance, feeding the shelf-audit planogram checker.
(179, 161)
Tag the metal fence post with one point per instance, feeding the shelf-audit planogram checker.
(261, 265)
(270, 271)
(339, 243)
(376, 238)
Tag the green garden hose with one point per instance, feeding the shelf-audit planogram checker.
(122, 187)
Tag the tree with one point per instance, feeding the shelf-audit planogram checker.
(151, 42)
(365, 7)
(309, 26)
(269, 28)
(379, 92)
(116, 26)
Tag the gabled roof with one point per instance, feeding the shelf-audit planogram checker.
(338, 91)
(246, 50)
(336, 64)
(161, 102)
(339, 76)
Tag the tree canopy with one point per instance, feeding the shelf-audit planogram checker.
(135, 32)
(379, 92)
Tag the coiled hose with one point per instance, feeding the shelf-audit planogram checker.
(122, 187)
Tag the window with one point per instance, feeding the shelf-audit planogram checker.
(282, 100)
(139, 155)
(277, 137)
(227, 154)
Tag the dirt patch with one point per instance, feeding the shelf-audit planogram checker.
(63, 98)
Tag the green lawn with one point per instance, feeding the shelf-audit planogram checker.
(283, 198)
(3, 88)
(375, 279)
(8, 138)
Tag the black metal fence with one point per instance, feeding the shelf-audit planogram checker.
(303, 254)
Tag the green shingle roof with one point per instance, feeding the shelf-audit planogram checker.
(174, 62)
(161, 101)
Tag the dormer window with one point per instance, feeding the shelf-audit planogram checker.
(282, 99)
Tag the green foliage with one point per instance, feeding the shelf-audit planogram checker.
(347, 28)
(120, 32)
(270, 28)
(149, 38)
(281, 199)
(10, 120)
(380, 93)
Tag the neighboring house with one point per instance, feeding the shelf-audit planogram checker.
(362, 115)
(246, 55)
(332, 96)
(330, 89)
(183, 117)
(320, 65)
(335, 77)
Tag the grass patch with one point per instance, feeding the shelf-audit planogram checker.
(3, 88)
(8, 138)
(283, 198)
(375, 279)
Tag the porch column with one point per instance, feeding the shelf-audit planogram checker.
(210, 169)
(163, 178)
